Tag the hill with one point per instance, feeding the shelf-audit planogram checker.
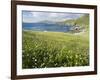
(82, 21)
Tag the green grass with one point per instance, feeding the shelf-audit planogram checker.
(54, 49)
(82, 21)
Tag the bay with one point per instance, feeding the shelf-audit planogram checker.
(46, 27)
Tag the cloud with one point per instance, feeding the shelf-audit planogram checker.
(31, 16)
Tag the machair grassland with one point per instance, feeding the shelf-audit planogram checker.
(55, 49)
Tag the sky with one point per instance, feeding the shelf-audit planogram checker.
(36, 16)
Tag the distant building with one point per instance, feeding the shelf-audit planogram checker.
(77, 29)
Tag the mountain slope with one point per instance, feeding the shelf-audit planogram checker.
(82, 21)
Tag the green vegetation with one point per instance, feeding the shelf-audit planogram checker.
(54, 49)
(83, 22)
(57, 49)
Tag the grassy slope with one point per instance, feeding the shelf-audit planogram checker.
(83, 21)
(54, 49)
